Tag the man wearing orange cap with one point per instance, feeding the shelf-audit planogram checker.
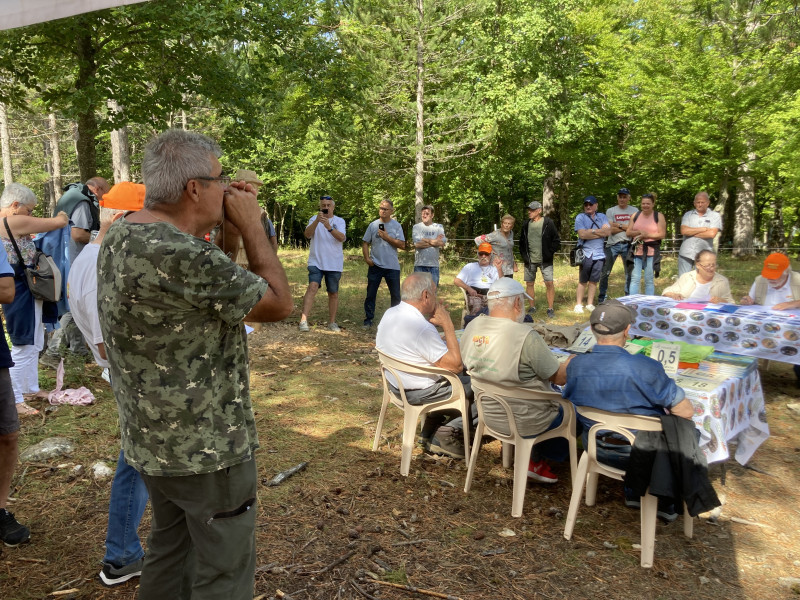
(777, 288)
(476, 278)
(124, 555)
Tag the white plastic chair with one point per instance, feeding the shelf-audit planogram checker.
(412, 412)
(589, 468)
(486, 392)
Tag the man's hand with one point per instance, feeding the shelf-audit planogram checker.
(441, 317)
(718, 300)
(241, 206)
(673, 295)
(369, 261)
(787, 305)
(498, 263)
(746, 301)
(323, 219)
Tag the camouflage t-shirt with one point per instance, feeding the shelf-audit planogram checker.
(171, 309)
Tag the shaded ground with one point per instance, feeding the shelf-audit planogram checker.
(349, 516)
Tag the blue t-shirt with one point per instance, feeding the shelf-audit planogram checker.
(5, 354)
(592, 248)
(609, 378)
(382, 253)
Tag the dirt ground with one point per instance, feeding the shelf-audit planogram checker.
(348, 518)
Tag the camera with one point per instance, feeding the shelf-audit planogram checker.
(381, 227)
(324, 211)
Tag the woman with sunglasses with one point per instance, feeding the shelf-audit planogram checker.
(646, 229)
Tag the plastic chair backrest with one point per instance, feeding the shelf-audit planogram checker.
(492, 393)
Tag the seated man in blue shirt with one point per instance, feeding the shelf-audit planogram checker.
(609, 378)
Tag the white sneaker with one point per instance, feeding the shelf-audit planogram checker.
(334, 327)
(578, 309)
(303, 326)
(590, 307)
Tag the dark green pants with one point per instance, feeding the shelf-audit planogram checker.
(202, 542)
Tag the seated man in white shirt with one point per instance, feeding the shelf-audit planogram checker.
(476, 278)
(777, 288)
(408, 332)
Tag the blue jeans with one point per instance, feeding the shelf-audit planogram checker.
(125, 509)
(636, 276)
(374, 276)
(612, 252)
(434, 271)
(556, 449)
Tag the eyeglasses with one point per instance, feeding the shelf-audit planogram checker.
(483, 254)
(709, 267)
(223, 179)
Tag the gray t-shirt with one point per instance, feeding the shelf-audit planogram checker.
(382, 253)
(620, 216)
(691, 245)
(427, 257)
(81, 218)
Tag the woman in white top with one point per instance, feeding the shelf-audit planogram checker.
(703, 284)
(646, 229)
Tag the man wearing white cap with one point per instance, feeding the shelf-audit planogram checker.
(501, 349)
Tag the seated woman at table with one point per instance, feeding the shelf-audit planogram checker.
(703, 284)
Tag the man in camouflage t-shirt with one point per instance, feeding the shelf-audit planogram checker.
(171, 309)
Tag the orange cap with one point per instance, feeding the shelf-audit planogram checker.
(485, 247)
(125, 195)
(774, 265)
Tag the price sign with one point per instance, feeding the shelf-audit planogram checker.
(584, 342)
(633, 348)
(668, 355)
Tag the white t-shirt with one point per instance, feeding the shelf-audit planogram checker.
(405, 334)
(326, 251)
(82, 293)
(701, 292)
(476, 276)
(775, 295)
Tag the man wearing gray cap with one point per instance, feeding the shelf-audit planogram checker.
(538, 244)
(617, 244)
(501, 349)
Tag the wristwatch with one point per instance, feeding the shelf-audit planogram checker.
(330, 230)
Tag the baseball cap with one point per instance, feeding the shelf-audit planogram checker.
(506, 287)
(590, 200)
(248, 177)
(612, 316)
(124, 195)
(485, 247)
(534, 205)
(624, 191)
(774, 265)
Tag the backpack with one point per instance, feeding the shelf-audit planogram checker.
(70, 201)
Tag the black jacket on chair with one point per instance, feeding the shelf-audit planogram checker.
(671, 464)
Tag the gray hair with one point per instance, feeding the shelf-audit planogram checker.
(502, 303)
(415, 284)
(702, 195)
(16, 192)
(171, 160)
(702, 252)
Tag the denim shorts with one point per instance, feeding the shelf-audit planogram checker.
(331, 278)
(591, 269)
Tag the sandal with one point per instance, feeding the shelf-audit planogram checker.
(24, 410)
(40, 395)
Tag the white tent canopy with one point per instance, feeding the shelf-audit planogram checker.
(18, 13)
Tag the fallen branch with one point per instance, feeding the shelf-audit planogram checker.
(411, 588)
(327, 568)
(361, 591)
(33, 560)
(284, 475)
(412, 542)
(746, 522)
(65, 592)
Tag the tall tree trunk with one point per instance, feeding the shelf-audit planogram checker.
(776, 237)
(87, 120)
(49, 192)
(5, 141)
(745, 207)
(120, 149)
(722, 208)
(55, 150)
(419, 165)
(562, 177)
(548, 195)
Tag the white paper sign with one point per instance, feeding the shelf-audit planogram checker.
(668, 355)
(584, 342)
(633, 348)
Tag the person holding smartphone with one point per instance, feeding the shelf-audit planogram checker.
(325, 259)
(384, 236)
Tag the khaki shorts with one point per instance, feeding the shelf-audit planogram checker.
(547, 271)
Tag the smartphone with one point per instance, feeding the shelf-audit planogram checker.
(324, 211)
(381, 227)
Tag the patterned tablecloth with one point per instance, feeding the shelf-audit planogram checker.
(744, 330)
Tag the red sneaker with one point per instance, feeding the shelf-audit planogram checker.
(540, 471)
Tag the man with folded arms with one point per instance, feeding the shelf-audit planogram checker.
(501, 349)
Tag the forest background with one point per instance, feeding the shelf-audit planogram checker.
(474, 106)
